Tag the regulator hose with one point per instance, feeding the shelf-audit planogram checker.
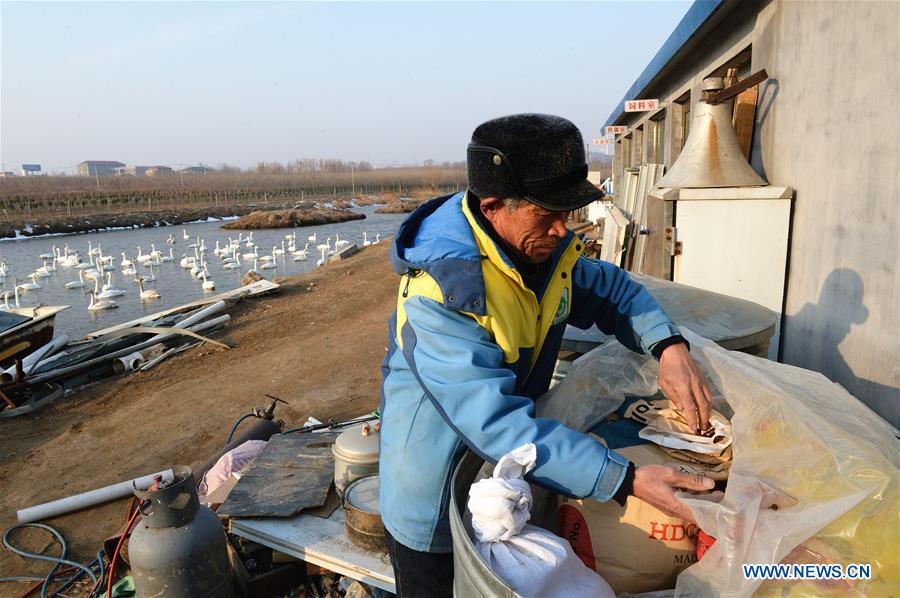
(57, 561)
(235, 426)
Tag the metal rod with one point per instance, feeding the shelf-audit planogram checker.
(729, 92)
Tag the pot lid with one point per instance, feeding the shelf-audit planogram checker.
(358, 443)
(362, 494)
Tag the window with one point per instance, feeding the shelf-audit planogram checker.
(681, 123)
(638, 148)
(658, 137)
(626, 151)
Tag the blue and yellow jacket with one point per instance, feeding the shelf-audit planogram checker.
(472, 347)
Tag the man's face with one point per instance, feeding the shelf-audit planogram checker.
(530, 230)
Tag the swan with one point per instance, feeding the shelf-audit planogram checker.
(340, 243)
(154, 252)
(171, 239)
(30, 286)
(66, 259)
(184, 235)
(277, 251)
(202, 244)
(102, 304)
(51, 267)
(125, 261)
(168, 258)
(93, 250)
(6, 295)
(141, 256)
(42, 271)
(129, 271)
(311, 238)
(208, 285)
(186, 262)
(4, 268)
(231, 265)
(251, 256)
(366, 241)
(149, 293)
(202, 272)
(47, 256)
(77, 284)
(152, 276)
(377, 239)
(108, 293)
(270, 265)
(321, 262)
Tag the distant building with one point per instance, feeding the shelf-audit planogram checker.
(196, 170)
(98, 167)
(31, 169)
(158, 171)
(7, 173)
(132, 170)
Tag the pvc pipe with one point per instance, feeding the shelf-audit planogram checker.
(31, 360)
(90, 498)
(54, 374)
(206, 311)
(128, 363)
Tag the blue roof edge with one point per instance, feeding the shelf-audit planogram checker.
(699, 12)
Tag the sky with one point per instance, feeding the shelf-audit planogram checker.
(181, 83)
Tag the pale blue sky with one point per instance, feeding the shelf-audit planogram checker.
(241, 82)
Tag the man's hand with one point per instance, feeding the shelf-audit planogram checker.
(682, 382)
(656, 485)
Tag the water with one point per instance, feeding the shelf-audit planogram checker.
(175, 284)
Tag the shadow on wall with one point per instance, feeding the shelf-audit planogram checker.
(840, 307)
(768, 91)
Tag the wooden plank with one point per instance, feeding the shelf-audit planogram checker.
(744, 118)
(657, 259)
(320, 542)
(251, 290)
(293, 472)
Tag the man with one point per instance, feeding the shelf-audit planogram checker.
(490, 278)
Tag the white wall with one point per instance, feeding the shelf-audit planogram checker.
(828, 126)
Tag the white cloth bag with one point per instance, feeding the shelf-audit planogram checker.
(533, 561)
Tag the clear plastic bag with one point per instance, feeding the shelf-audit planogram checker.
(813, 480)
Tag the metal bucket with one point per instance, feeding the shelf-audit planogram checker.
(471, 574)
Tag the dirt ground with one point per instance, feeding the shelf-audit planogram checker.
(317, 344)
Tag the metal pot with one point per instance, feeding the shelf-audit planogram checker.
(355, 455)
(362, 516)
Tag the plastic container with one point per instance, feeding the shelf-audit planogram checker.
(355, 455)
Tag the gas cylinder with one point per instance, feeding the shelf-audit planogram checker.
(178, 548)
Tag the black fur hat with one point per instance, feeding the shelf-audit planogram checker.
(537, 157)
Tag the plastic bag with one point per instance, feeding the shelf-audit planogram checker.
(531, 560)
(236, 460)
(813, 478)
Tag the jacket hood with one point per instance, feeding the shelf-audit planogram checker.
(436, 238)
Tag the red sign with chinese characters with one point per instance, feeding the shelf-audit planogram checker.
(616, 130)
(641, 105)
(601, 141)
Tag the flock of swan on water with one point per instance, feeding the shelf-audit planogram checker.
(99, 268)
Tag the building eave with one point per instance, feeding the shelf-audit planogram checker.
(700, 18)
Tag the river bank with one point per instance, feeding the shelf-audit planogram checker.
(90, 223)
(120, 218)
(318, 345)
